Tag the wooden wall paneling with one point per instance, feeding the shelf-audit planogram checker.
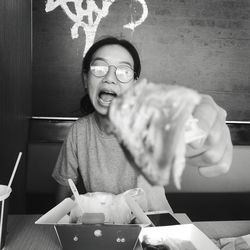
(55, 130)
(15, 93)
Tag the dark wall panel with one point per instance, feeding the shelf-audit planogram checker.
(201, 44)
(15, 93)
(57, 87)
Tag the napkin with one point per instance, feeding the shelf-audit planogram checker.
(237, 243)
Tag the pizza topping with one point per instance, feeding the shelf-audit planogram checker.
(154, 123)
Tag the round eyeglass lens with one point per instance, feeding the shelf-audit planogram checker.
(124, 73)
(99, 70)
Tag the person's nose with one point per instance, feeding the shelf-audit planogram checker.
(110, 77)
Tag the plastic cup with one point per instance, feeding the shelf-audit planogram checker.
(4, 195)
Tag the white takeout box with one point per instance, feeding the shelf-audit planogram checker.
(113, 236)
(188, 233)
(89, 236)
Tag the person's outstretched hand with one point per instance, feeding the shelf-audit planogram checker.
(213, 154)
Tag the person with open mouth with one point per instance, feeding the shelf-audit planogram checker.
(93, 156)
(90, 154)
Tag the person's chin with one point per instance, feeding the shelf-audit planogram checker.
(102, 108)
(102, 111)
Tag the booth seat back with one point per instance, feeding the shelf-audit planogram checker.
(45, 140)
(225, 197)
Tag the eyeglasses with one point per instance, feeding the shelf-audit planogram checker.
(100, 68)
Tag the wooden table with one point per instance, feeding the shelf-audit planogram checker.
(23, 234)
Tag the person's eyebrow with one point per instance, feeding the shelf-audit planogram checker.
(99, 58)
(125, 62)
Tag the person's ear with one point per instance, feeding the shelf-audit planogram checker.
(85, 80)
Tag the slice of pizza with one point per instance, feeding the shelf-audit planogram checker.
(153, 123)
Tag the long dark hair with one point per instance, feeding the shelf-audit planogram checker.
(86, 105)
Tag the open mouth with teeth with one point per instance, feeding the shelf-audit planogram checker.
(105, 97)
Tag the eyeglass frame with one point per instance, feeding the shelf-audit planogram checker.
(116, 67)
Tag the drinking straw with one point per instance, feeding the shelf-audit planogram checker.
(10, 181)
(1, 221)
(75, 193)
(15, 168)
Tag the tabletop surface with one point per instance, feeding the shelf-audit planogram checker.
(22, 233)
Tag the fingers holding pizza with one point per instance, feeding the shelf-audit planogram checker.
(213, 154)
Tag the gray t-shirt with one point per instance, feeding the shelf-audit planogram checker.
(97, 158)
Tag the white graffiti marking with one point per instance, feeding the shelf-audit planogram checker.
(90, 12)
(132, 25)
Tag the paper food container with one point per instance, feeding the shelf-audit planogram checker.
(186, 236)
(89, 236)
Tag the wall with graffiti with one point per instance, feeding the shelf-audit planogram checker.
(93, 14)
(200, 44)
